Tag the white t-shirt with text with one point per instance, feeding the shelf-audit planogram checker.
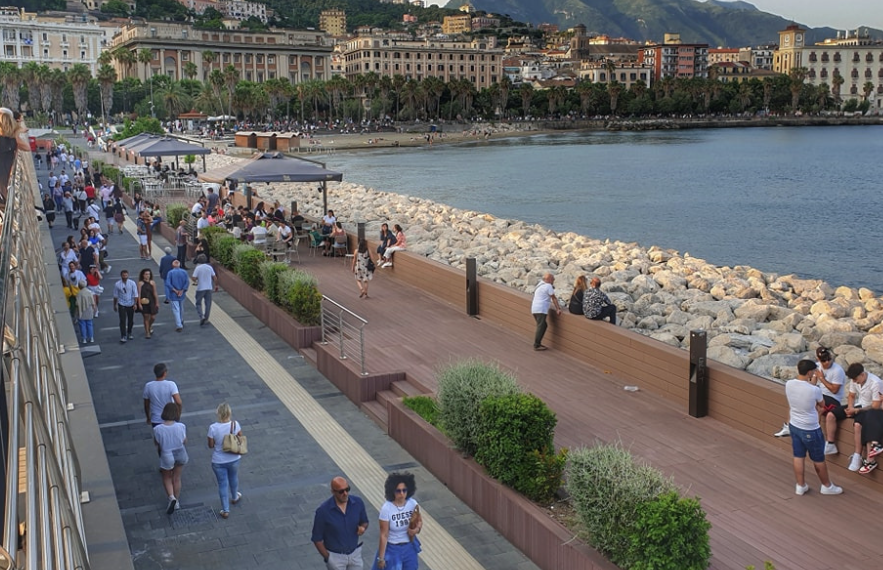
(398, 518)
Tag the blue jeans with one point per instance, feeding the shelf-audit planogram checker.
(401, 556)
(228, 480)
(86, 330)
(178, 311)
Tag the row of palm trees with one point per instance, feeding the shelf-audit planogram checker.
(370, 95)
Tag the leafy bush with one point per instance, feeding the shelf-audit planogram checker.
(461, 389)
(212, 234)
(247, 261)
(223, 250)
(299, 292)
(112, 173)
(270, 271)
(175, 213)
(425, 406)
(616, 499)
(670, 533)
(515, 435)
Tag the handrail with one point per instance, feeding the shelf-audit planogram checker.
(346, 327)
(49, 532)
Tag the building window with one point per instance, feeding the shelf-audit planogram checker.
(825, 58)
(837, 57)
(248, 58)
(868, 74)
(271, 59)
(869, 58)
(64, 54)
(824, 73)
(291, 59)
(237, 57)
(812, 57)
(226, 58)
(64, 37)
(855, 73)
(856, 58)
(83, 55)
(248, 76)
(259, 58)
(853, 90)
(45, 37)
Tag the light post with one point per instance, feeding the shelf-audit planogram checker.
(152, 111)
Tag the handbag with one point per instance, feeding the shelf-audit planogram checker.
(145, 301)
(233, 443)
(370, 265)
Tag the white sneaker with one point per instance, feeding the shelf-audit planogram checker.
(856, 462)
(831, 489)
(801, 489)
(831, 448)
(783, 432)
(387, 264)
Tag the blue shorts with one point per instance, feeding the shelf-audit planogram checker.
(808, 441)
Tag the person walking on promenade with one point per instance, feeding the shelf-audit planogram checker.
(224, 464)
(149, 300)
(177, 283)
(805, 401)
(206, 281)
(125, 299)
(181, 236)
(337, 525)
(364, 273)
(165, 265)
(159, 392)
(86, 309)
(596, 303)
(170, 437)
(399, 545)
(543, 298)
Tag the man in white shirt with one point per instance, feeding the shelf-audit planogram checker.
(284, 234)
(805, 402)
(202, 223)
(864, 394)
(206, 281)
(259, 233)
(543, 298)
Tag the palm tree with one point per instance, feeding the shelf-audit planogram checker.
(208, 57)
(11, 76)
(526, 93)
(174, 99)
(584, 89)
(744, 95)
(31, 76)
(610, 66)
(125, 59)
(614, 89)
(277, 90)
(796, 76)
(145, 56)
(231, 78)
(386, 86)
(370, 86)
(409, 93)
(767, 92)
(836, 82)
(79, 76)
(57, 82)
(207, 100)
(822, 94)
(505, 86)
(190, 70)
(867, 89)
(107, 76)
(398, 81)
(434, 87)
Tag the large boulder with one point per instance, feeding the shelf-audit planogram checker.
(726, 355)
(754, 310)
(848, 354)
(788, 344)
(781, 366)
(841, 338)
(872, 344)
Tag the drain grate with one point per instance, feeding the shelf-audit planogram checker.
(193, 516)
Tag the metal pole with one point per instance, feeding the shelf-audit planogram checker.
(471, 287)
(362, 349)
(698, 374)
(340, 333)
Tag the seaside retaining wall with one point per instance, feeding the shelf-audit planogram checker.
(750, 404)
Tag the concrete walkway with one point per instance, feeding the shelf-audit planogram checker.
(302, 432)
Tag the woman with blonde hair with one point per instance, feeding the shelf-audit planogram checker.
(576, 298)
(225, 464)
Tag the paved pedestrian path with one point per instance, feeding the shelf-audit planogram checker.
(302, 432)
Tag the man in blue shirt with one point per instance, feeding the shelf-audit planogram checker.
(337, 526)
(177, 282)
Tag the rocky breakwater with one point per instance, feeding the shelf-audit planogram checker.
(760, 322)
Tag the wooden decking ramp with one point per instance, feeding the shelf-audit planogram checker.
(745, 483)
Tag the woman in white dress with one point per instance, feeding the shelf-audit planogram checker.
(360, 268)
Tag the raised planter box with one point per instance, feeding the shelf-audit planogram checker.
(546, 542)
(277, 319)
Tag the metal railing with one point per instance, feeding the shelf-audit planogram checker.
(345, 329)
(42, 519)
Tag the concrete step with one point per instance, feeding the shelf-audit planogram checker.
(377, 412)
(309, 354)
(405, 389)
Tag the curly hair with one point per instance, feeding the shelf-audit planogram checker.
(394, 480)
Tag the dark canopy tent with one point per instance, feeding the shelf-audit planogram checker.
(277, 167)
(170, 147)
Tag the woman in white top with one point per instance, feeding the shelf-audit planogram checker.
(400, 245)
(328, 222)
(170, 437)
(398, 537)
(224, 464)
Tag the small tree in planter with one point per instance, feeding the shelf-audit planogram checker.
(299, 293)
(175, 213)
(247, 261)
(189, 160)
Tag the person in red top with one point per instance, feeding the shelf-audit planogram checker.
(90, 190)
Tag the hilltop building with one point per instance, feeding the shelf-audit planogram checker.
(602, 48)
(672, 58)
(478, 61)
(453, 25)
(257, 56)
(851, 64)
(333, 22)
(58, 40)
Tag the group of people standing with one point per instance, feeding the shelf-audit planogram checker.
(587, 299)
(163, 407)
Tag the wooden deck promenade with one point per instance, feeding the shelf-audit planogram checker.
(745, 483)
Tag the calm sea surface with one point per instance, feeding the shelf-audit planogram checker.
(787, 200)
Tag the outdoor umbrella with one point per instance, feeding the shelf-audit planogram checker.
(171, 147)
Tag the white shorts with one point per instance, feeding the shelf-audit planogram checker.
(142, 238)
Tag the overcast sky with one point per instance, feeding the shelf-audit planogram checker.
(842, 14)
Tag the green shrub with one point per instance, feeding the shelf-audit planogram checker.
(175, 213)
(461, 389)
(212, 234)
(299, 292)
(270, 271)
(515, 444)
(425, 406)
(670, 533)
(614, 497)
(112, 173)
(247, 261)
(223, 250)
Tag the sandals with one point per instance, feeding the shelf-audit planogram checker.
(867, 467)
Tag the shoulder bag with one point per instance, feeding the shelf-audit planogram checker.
(233, 443)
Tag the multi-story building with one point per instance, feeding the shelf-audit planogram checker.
(625, 73)
(723, 55)
(57, 40)
(333, 22)
(257, 56)
(675, 59)
(200, 6)
(849, 64)
(602, 48)
(760, 57)
(243, 10)
(453, 25)
(481, 22)
(730, 72)
(479, 61)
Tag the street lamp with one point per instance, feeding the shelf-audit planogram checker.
(152, 111)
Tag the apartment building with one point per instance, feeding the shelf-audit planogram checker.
(333, 22)
(258, 56)
(723, 55)
(243, 10)
(626, 74)
(479, 61)
(675, 59)
(760, 57)
(58, 40)
(453, 25)
(852, 57)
